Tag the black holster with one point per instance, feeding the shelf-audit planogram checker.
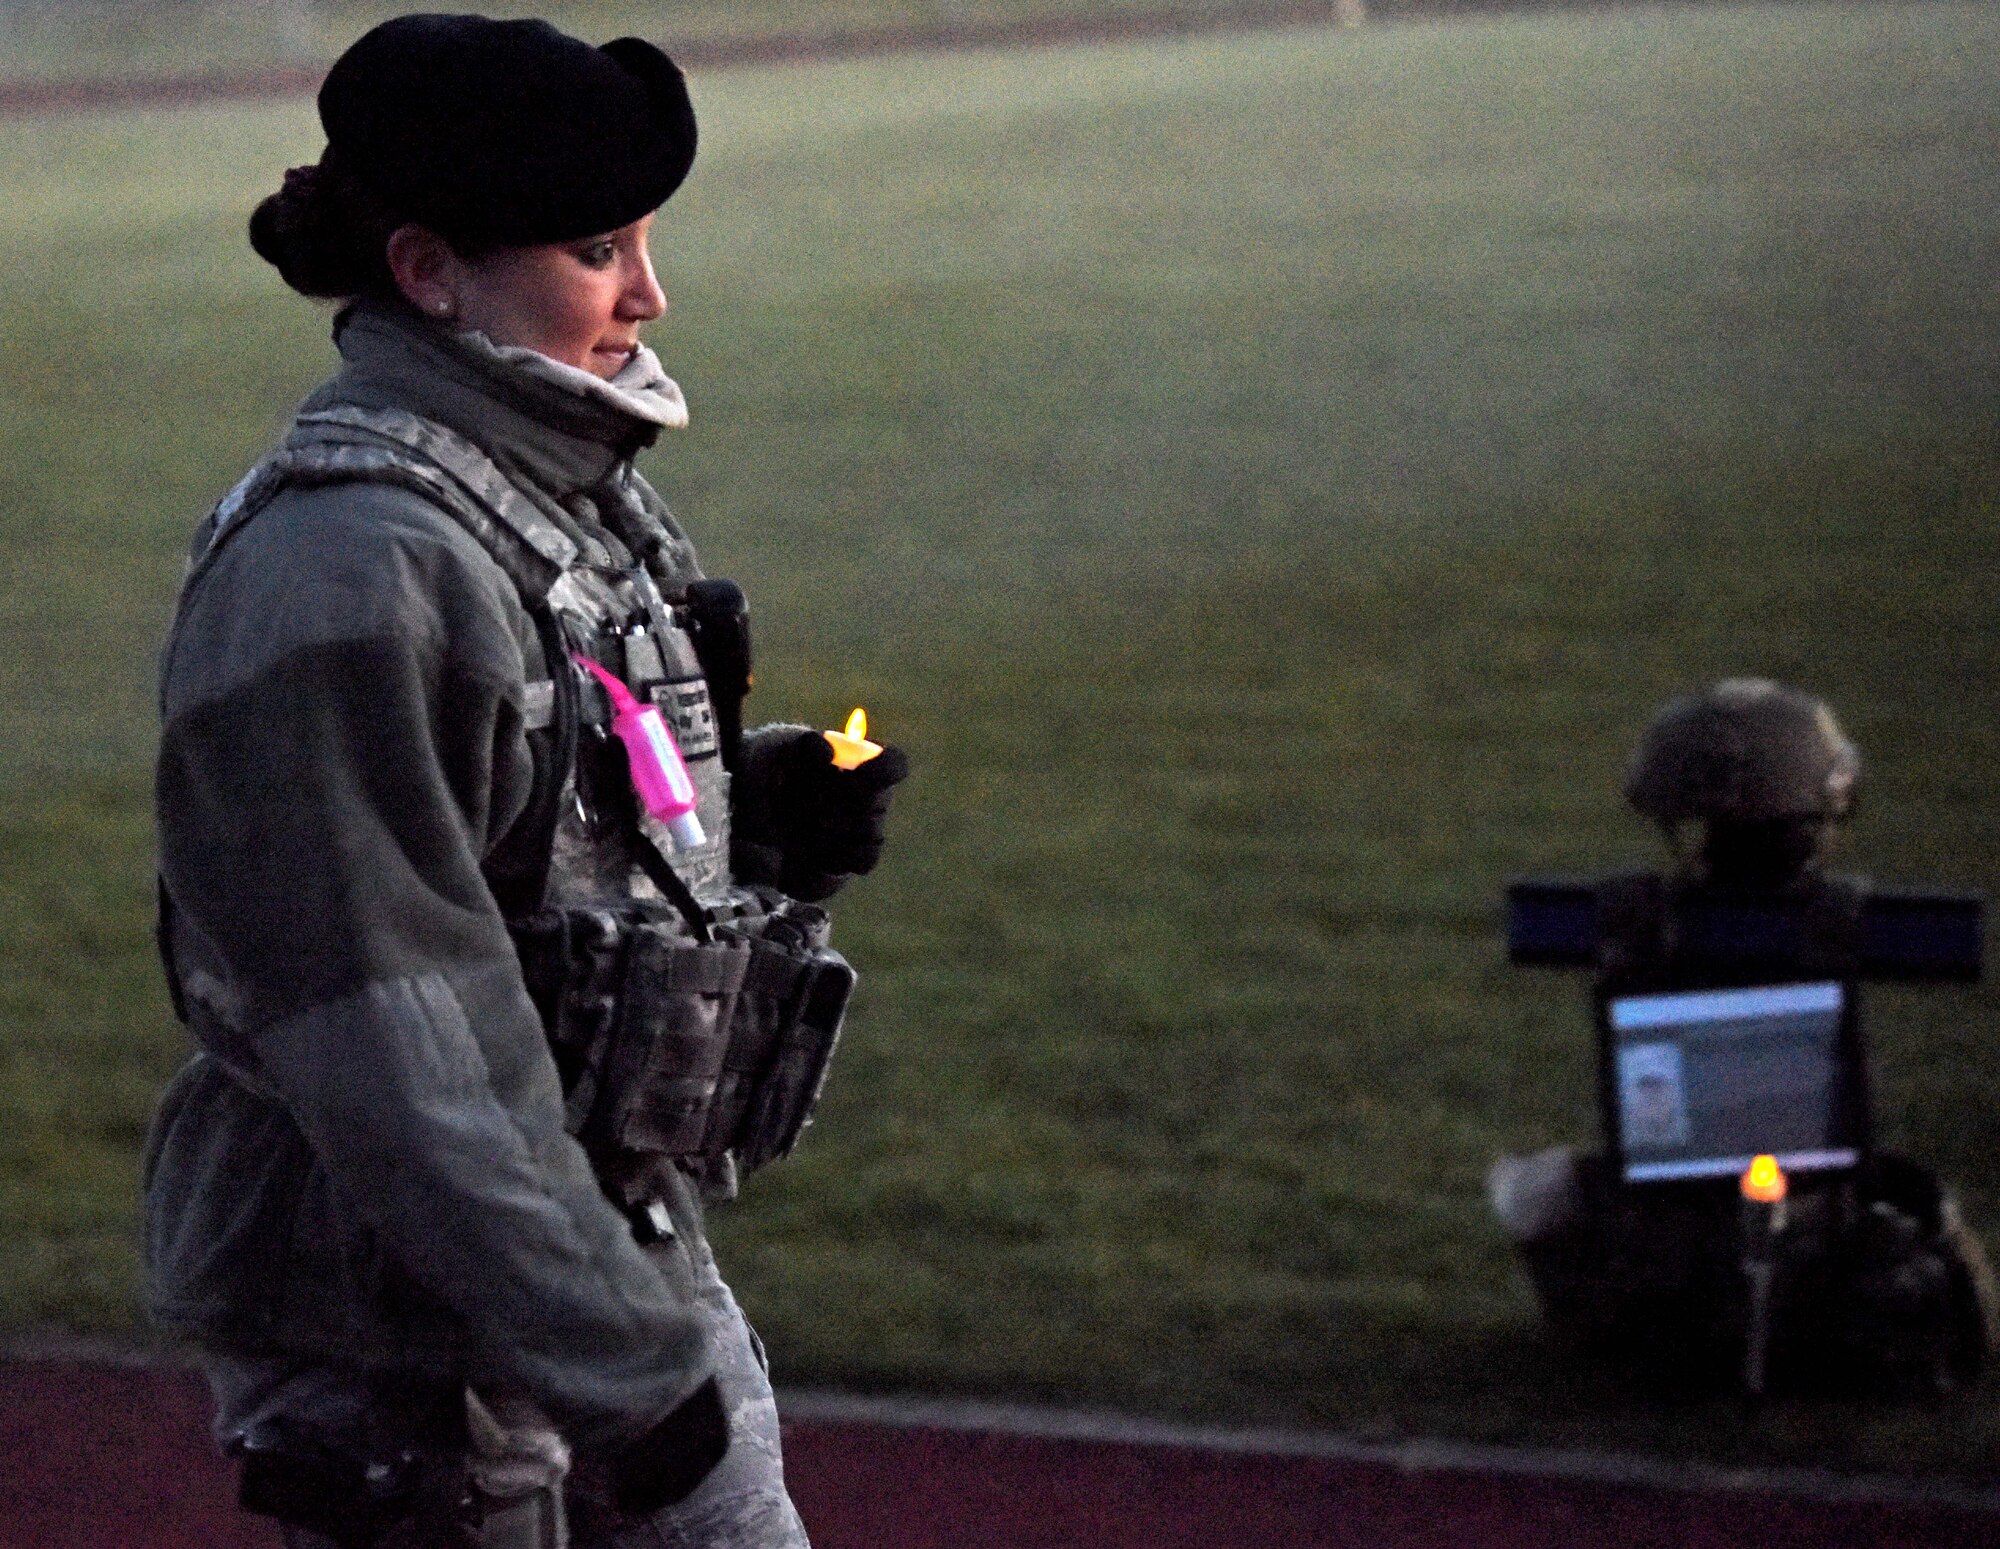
(355, 1503)
(328, 1501)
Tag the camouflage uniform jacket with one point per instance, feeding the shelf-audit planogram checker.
(366, 1161)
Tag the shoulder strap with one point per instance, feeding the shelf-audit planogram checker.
(397, 447)
(386, 446)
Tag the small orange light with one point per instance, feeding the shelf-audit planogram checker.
(1764, 1181)
(851, 748)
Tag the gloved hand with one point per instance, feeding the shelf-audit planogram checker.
(803, 824)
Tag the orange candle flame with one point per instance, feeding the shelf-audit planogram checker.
(1764, 1181)
(851, 748)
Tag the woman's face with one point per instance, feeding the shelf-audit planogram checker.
(581, 303)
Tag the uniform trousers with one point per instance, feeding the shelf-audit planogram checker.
(741, 1504)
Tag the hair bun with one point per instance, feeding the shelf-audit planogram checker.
(324, 234)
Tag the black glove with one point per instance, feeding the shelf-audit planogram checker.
(666, 1464)
(802, 823)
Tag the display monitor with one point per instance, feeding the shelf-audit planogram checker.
(1698, 1082)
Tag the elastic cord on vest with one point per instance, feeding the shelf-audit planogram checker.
(676, 892)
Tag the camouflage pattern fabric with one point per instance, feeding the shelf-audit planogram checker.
(364, 1182)
(743, 1503)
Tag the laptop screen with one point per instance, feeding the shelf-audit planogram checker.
(1704, 1080)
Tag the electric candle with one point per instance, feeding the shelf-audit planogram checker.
(851, 748)
(1764, 1181)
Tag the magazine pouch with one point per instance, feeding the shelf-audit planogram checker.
(675, 1018)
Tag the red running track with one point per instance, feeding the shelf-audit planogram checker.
(117, 1457)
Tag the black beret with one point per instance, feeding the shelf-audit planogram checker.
(508, 132)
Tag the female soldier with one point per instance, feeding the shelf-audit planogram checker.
(480, 1020)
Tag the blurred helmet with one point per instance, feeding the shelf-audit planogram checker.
(1743, 750)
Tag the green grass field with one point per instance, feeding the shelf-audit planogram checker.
(1266, 482)
(84, 39)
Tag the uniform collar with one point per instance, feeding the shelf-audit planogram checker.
(564, 428)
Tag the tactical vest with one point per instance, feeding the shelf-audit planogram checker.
(689, 1018)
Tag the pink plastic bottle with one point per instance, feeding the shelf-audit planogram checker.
(658, 774)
